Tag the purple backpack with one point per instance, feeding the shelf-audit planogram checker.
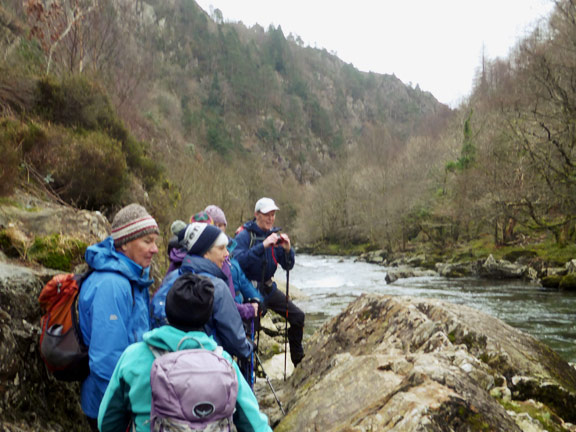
(192, 390)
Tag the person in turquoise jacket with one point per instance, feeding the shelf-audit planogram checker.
(114, 301)
(128, 398)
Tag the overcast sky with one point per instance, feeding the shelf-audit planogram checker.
(434, 43)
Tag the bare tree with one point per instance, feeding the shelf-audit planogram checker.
(53, 22)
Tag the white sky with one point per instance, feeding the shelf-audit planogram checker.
(434, 43)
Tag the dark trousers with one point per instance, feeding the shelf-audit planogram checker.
(93, 423)
(276, 301)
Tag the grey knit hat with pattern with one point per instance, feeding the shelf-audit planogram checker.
(131, 223)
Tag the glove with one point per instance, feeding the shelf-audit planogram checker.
(261, 306)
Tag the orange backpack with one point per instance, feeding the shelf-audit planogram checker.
(61, 344)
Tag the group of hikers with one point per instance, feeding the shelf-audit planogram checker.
(212, 295)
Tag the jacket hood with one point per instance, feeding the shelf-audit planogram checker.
(104, 257)
(198, 264)
(168, 338)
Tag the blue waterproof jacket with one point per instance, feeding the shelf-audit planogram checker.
(243, 287)
(113, 312)
(225, 324)
(128, 397)
(259, 263)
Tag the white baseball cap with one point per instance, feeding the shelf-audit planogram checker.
(265, 205)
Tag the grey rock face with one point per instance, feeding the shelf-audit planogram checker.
(404, 364)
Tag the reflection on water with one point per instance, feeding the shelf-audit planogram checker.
(331, 283)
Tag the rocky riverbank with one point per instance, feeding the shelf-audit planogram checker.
(524, 267)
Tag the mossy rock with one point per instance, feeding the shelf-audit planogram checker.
(515, 255)
(568, 282)
(552, 281)
(57, 252)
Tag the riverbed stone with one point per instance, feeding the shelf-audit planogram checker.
(568, 282)
(552, 281)
(392, 275)
(455, 270)
(570, 266)
(373, 257)
(400, 363)
(503, 269)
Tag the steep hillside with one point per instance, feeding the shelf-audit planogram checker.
(164, 97)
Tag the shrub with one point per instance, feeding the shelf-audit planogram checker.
(10, 160)
(77, 102)
(145, 168)
(80, 103)
(90, 170)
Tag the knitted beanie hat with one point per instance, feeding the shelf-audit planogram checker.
(177, 226)
(131, 223)
(189, 302)
(198, 238)
(202, 217)
(216, 214)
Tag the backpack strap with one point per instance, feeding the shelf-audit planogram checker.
(157, 352)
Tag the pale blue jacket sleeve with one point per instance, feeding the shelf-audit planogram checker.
(115, 413)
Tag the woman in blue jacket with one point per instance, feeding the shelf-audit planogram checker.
(128, 398)
(114, 301)
(206, 246)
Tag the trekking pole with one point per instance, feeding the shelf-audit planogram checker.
(257, 340)
(286, 324)
(252, 374)
(269, 383)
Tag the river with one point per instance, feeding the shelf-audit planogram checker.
(329, 284)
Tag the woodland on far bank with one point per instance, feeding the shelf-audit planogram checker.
(105, 102)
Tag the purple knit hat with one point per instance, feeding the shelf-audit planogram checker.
(216, 214)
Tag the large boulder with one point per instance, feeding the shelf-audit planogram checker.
(33, 217)
(405, 364)
(503, 269)
(30, 398)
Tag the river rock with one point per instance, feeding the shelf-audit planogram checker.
(570, 266)
(406, 364)
(502, 269)
(373, 257)
(392, 275)
(453, 270)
